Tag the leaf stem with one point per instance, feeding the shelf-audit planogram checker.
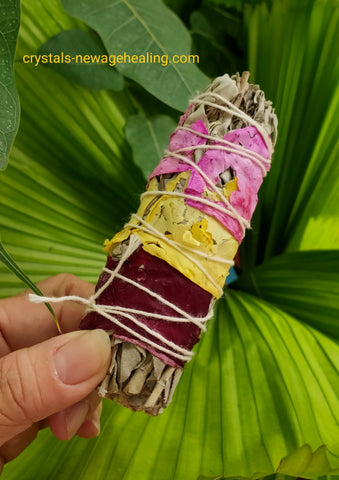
(14, 267)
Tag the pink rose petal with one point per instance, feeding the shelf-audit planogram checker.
(180, 139)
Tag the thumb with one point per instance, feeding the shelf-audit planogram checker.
(41, 380)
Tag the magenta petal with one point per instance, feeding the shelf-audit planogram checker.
(180, 139)
(248, 173)
(183, 138)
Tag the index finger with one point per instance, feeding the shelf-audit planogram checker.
(23, 324)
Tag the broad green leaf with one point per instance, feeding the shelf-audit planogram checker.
(304, 284)
(148, 27)
(293, 55)
(148, 138)
(260, 388)
(9, 100)
(81, 57)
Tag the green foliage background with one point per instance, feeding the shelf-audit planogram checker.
(261, 394)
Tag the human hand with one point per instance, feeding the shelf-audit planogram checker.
(45, 378)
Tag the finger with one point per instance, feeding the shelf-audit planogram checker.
(66, 423)
(44, 423)
(39, 381)
(24, 324)
(91, 426)
(16, 445)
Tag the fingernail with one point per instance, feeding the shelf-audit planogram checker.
(75, 417)
(82, 357)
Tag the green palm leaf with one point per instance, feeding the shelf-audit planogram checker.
(240, 385)
(304, 284)
(293, 51)
(260, 395)
(50, 202)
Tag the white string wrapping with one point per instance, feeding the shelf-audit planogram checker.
(232, 109)
(111, 312)
(233, 148)
(106, 311)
